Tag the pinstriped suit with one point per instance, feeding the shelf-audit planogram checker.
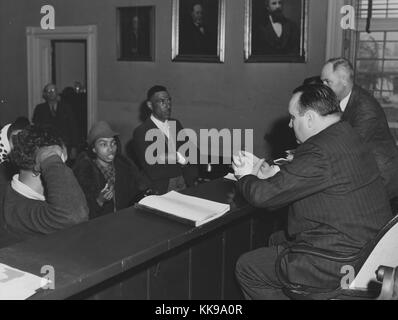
(367, 117)
(336, 197)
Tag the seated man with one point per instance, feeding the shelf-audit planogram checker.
(334, 189)
(171, 170)
(45, 196)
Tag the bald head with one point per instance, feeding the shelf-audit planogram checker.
(338, 74)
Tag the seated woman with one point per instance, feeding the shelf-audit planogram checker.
(44, 196)
(109, 181)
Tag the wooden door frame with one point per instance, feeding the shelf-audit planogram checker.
(39, 75)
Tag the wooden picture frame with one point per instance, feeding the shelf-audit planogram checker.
(276, 35)
(198, 31)
(136, 33)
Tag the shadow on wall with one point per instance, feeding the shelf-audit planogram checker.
(143, 114)
(280, 138)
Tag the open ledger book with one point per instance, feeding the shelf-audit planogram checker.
(191, 210)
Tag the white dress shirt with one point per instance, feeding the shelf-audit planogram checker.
(165, 128)
(277, 27)
(344, 102)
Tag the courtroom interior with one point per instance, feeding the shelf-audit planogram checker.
(199, 149)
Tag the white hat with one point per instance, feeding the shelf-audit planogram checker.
(5, 147)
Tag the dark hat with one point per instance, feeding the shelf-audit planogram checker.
(100, 129)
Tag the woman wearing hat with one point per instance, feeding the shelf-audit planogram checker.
(109, 181)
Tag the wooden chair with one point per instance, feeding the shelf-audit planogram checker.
(382, 251)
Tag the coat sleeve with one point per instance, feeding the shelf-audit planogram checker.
(36, 115)
(307, 174)
(86, 178)
(65, 203)
(366, 118)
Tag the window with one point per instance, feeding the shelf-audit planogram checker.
(376, 56)
(377, 52)
(381, 9)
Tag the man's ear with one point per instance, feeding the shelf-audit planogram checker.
(310, 116)
(149, 105)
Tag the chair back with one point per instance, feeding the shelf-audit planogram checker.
(385, 252)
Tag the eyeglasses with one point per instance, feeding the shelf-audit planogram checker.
(51, 90)
(164, 101)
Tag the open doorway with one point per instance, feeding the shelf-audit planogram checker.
(69, 74)
(45, 49)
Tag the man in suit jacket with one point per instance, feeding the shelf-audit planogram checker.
(273, 33)
(367, 117)
(171, 171)
(59, 116)
(196, 37)
(336, 197)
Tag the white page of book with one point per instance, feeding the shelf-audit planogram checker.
(18, 285)
(188, 207)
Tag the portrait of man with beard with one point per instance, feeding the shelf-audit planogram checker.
(272, 32)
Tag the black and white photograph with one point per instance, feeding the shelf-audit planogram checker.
(136, 33)
(276, 30)
(190, 156)
(198, 30)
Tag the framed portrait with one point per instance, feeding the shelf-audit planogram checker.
(198, 30)
(136, 33)
(276, 30)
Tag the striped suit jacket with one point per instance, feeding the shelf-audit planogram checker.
(336, 197)
(367, 117)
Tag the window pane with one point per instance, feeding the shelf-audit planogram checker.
(368, 82)
(369, 66)
(381, 9)
(391, 67)
(370, 50)
(391, 51)
(393, 35)
(364, 36)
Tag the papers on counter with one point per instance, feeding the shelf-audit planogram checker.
(18, 285)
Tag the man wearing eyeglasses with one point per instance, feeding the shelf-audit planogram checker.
(57, 115)
(171, 170)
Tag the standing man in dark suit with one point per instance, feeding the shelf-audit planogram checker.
(171, 170)
(367, 117)
(59, 116)
(197, 38)
(336, 197)
(273, 33)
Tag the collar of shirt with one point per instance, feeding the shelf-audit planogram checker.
(344, 102)
(277, 26)
(25, 190)
(163, 126)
